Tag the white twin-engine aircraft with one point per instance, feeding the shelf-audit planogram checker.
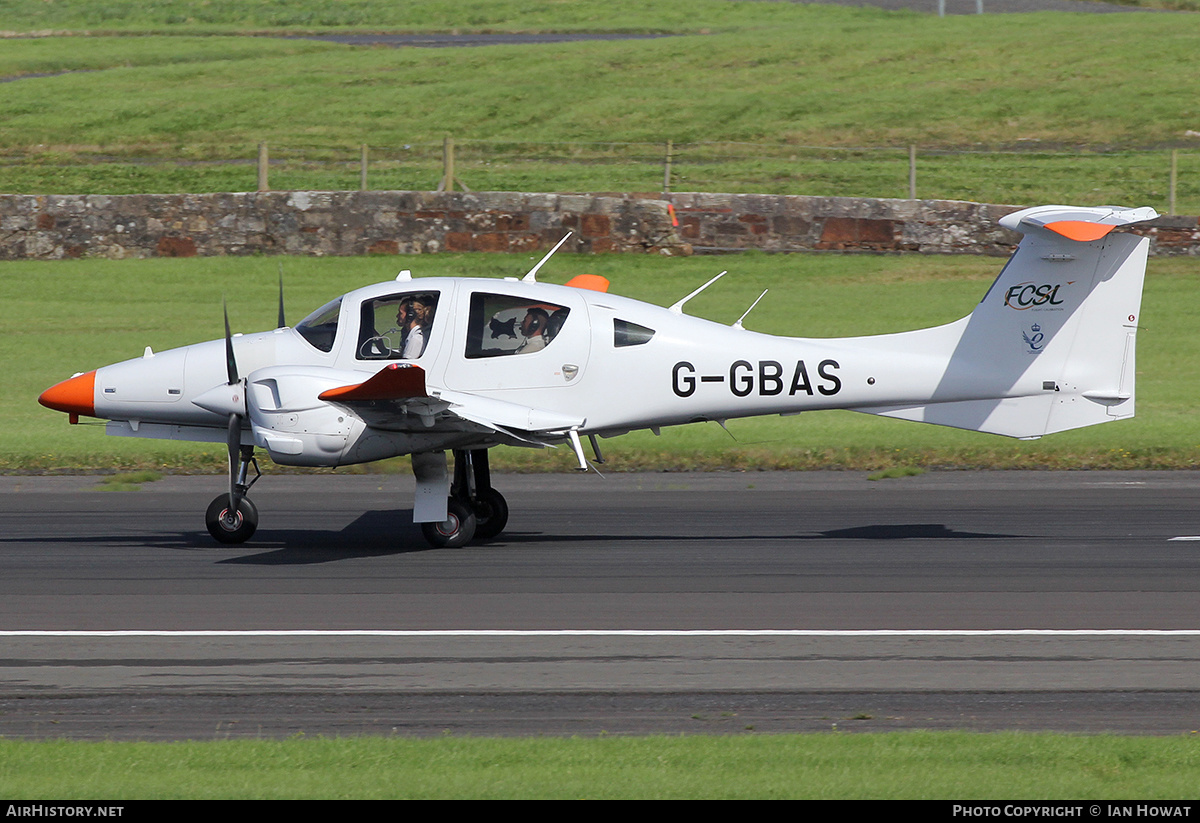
(424, 366)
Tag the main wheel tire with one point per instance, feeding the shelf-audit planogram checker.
(491, 514)
(457, 529)
(236, 530)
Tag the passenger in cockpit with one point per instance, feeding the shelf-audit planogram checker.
(533, 327)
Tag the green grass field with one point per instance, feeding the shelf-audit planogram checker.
(70, 316)
(900, 765)
(428, 15)
(1085, 110)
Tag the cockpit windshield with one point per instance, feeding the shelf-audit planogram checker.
(320, 327)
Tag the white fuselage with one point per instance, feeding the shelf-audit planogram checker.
(686, 369)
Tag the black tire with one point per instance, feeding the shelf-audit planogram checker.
(491, 514)
(456, 531)
(240, 529)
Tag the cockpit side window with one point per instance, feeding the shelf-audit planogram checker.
(630, 334)
(502, 324)
(396, 327)
(320, 327)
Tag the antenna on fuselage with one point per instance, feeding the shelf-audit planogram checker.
(532, 276)
(282, 324)
(677, 308)
(738, 324)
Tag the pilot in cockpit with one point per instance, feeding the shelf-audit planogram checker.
(416, 330)
(408, 338)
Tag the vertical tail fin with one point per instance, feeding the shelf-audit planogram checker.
(1051, 345)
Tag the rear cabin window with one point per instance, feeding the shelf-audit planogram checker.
(501, 325)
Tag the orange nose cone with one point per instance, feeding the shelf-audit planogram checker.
(74, 396)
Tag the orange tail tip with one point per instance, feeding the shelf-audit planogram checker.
(75, 396)
(1080, 230)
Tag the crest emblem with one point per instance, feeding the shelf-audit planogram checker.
(1034, 339)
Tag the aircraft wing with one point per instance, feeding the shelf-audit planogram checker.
(397, 399)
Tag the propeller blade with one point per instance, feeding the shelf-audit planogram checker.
(235, 446)
(282, 323)
(235, 422)
(230, 361)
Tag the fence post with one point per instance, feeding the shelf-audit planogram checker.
(447, 181)
(912, 172)
(667, 170)
(448, 176)
(262, 168)
(362, 171)
(1174, 177)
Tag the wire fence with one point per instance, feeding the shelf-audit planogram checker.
(1168, 178)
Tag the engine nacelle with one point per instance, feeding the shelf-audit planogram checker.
(295, 427)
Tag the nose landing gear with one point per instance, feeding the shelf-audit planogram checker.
(235, 522)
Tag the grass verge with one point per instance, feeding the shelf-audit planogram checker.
(899, 765)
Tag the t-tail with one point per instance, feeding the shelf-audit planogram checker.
(1051, 345)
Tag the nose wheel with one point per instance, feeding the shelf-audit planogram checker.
(229, 525)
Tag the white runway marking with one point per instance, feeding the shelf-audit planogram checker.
(1186, 537)
(624, 633)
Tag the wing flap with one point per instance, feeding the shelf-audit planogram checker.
(397, 399)
(503, 415)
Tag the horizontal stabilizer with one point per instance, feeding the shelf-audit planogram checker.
(393, 382)
(1078, 223)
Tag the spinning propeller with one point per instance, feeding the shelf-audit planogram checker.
(236, 489)
(233, 518)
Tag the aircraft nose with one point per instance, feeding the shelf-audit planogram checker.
(75, 396)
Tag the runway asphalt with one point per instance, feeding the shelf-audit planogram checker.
(632, 603)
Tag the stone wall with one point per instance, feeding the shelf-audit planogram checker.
(350, 223)
(728, 222)
(323, 223)
(734, 222)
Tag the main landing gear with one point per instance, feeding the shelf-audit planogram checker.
(475, 510)
(236, 522)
